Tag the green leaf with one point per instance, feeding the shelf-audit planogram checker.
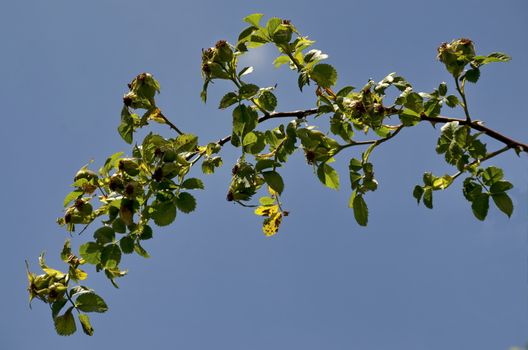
(250, 138)
(110, 163)
(328, 176)
(141, 251)
(274, 180)
(324, 75)
(266, 201)
(492, 174)
(503, 202)
(409, 117)
(104, 235)
(111, 256)
(164, 213)
(127, 244)
(57, 306)
(272, 25)
(428, 197)
(66, 251)
(186, 202)
(91, 252)
(91, 302)
(360, 210)
(229, 99)
(452, 101)
(472, 75)
(500, 187)
(248, 90)
(86, 325)
(254, 19)
(192, 183)
(126, 127)
(119, 226)
(279, 61)
(442, 89)
(65, 324)
(146, 233)
(480, 206)
(268, 101)
(492, 57)
(72, 196)
(418, 193)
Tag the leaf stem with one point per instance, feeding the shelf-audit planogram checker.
(462, 93)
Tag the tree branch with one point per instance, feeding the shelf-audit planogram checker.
(511, 143)
(297, 114)
(170, 124)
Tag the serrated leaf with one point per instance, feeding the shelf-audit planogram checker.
(119, 226)
(164, 213)
(503, 202)
(268, 101)
(192, 183)
(328, 176)
(104, 235)
(274, 180)
(480, 206)
(127, 244)
(57, 306)
(472, 75)
(324, 75)
(91, 252)
(229, 99)
(111, 256)
(492, 174)
(186, 202)
(86, 325)
(91, 302)
(254, 19)
(248, 90)
(65, 324)
(500, 187)
(452, 101)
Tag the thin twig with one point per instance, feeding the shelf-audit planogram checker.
(170, 124)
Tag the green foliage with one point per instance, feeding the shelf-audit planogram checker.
(155, 181)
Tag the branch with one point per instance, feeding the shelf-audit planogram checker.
(170, 124)
(297, 114)
(511, 143)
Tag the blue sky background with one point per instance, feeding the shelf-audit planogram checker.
(414, 279)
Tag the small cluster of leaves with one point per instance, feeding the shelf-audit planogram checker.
(51, 287)
(153, 184)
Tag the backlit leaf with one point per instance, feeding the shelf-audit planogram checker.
(324, 75)
(503, 202)
(86, 325)
(91, 302)
(65, 324)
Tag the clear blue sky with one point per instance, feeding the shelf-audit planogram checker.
(414, 279)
